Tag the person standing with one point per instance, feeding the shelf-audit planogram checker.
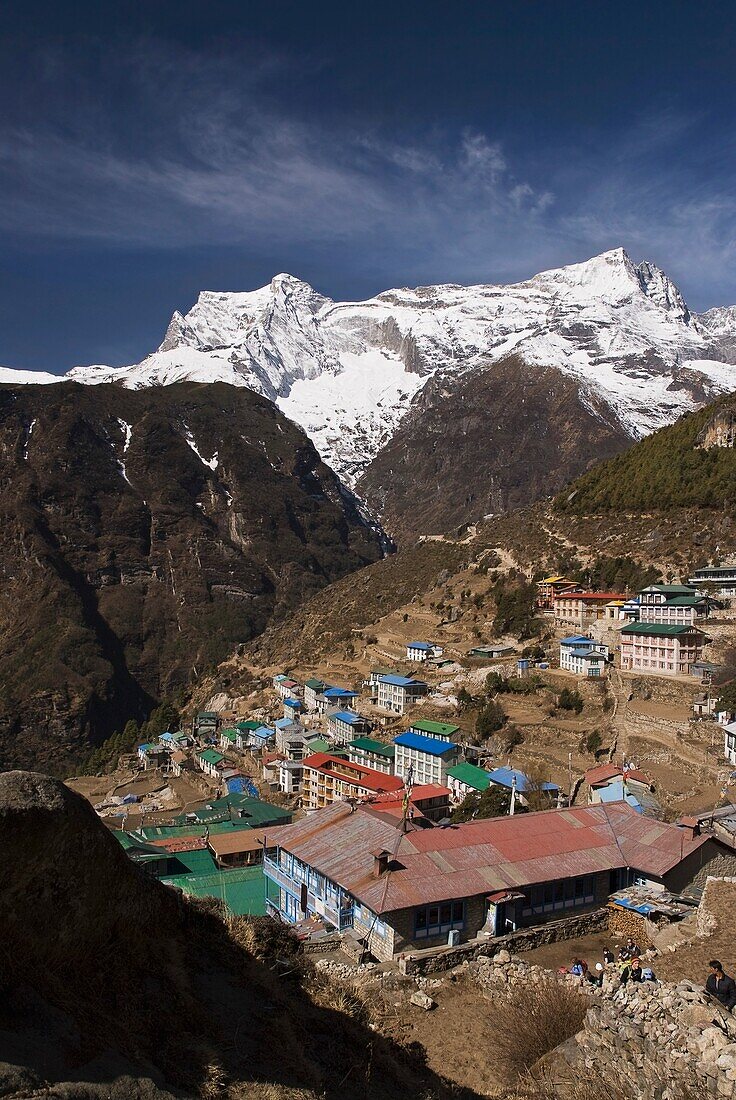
(720, 985)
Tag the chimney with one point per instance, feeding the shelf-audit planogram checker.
(381, 860)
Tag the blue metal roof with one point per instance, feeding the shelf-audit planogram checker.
(504, 777)
(348, 716)
(284, 723)
(431, 745)
(587, 653)
(292, 703)
(419, 645)
(337, 693)
(399, 681)
(236, 786)
(577, 640)
(262, 732)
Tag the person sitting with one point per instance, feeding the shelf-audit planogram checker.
(720, 985)
(607, 957)
(576, 968)
(630, 950)
(635, 971)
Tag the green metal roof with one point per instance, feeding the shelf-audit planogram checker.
(198, 862)
(670, 589)
(434, 727)
(368, 744)
(207, 714)
(231, 735)
(135, 847)
(662, 629)
(315, 685)
(210, 756)
(242, 889)
(182, 831)
(471, 776)
(684, 601)
(247, 725)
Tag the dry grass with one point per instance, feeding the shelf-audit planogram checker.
(594, 1086)
(532, 1020)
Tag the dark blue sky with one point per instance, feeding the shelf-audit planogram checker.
(154, 149)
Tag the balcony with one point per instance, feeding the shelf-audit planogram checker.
(339, 918)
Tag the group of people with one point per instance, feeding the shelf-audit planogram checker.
(627, 963)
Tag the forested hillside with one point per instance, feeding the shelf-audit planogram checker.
(676, 467)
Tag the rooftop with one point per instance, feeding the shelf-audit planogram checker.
(401, 681)
(368, 744)
(504, 777)
(358, 774)
(424, 725)
(348, 716)
(471, 775)
(478, 857)
(659, 629)
(420, 743)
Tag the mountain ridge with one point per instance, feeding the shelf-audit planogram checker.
(348, 372)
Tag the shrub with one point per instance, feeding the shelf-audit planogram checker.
(493, 802)
(491, 718)
(534, 1019)
(593, 742)
(570, 700)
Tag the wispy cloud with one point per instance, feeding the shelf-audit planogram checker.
(209, 155)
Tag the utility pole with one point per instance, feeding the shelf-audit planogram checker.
(569, 780)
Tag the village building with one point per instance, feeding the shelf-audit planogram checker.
(582, 608)
(287, 688)
(675, 604)
(445, 731)
(291, 774)
(625, 783)
(630, 610)
(664, 649)
(205, 724)
(521, 787)
(180, 762)
(176, 740)
(270, 767)
(729, 743)
(292, 708)
(241, 849)
(328, 778)
(154, 756)
(422, 651)
(334, 697)
(464, 779)
(583, 656)
(720, 579)
(397, 887)
(346, 725)
(372, 754)
(243, 730)
(553, 586)
(228, 739)
(312, 688)
(426, 759)
(209, 761)
(398, 693)
(427, 803)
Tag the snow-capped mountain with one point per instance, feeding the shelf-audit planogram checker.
(347, 372)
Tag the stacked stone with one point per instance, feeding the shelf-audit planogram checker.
(663, 1036)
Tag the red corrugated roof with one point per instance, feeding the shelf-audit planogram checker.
(480, 857)
(358, 774)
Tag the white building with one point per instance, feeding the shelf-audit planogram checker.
(464, 779)
(312, 688)
(290, 776)
(398, 693)
(422, 651)
(583, 656)
(718, 578)
(346, 725)
(430, 758)
(673, 604)
(372, 754)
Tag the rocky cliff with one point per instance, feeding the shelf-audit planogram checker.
(115, 987)
(144, 535)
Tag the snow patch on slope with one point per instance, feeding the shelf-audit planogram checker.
(212, 463)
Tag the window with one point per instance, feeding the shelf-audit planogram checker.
(547, 897)
(435, 920)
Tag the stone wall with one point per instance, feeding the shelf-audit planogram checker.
(663, 1038)
(445, 958)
